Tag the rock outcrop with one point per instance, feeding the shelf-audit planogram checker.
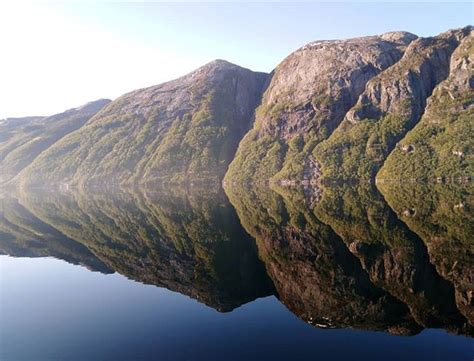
(390, 106)
(441, 143)
(308, 96)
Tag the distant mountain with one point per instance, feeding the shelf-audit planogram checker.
(186, 130)
(23, 139)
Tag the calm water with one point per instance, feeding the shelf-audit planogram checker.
(252, 275)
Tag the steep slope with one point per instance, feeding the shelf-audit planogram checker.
(23, 139)
(391, 105)
(309, 95)
(442, 143)
(186, 130)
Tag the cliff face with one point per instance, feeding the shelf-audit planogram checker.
(184, 130)
(441, 144)
(333, 110)
(23, 139)
(337, 109)
(390, 106)
(309, 94)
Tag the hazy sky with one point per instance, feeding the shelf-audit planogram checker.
(61, 55)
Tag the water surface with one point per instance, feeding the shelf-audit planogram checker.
(254, 274)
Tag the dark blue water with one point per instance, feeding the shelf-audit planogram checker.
(51, 310)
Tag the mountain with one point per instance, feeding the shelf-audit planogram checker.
(23, 139)
(308, 96)
(185, 130)
(392, 103)
(335, 110)
(441, 144)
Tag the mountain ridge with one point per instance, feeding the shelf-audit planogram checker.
(333, 110)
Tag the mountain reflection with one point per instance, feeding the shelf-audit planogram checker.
(340, 257)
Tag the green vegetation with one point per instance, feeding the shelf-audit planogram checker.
(23, 139)
(357, 151)
(184, 131)
(441, 144)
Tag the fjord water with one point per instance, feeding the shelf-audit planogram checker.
(342, 272)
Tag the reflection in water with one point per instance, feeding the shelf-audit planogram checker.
(189, 243)
(442, 216)
(342, 258)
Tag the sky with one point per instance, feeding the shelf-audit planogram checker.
(56, 56)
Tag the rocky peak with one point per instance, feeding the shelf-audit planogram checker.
(316, 85)
(178, 95)
(404, 88)
(402, 37)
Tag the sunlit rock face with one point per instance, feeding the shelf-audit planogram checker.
(308, 96)
(440, 146)
(391, 104)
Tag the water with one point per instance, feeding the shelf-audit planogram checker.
(270, 275)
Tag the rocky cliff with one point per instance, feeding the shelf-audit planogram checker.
(440, 146)
(336, 109)
(309, 95)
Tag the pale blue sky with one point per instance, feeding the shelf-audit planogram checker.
(69, 53)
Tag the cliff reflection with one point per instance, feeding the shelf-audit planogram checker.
(338, 257)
